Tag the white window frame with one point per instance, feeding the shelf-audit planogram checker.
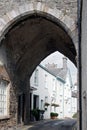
(4, 89)
(42, 106)
(46, 76)
(36, 78)
(54, 84)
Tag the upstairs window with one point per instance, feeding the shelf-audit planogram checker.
(42, 106)
(46, 81)
(54, 85)
(36, 77)
(46, 99)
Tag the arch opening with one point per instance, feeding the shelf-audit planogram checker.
(54, 84)
(38, 36)
(27, 43)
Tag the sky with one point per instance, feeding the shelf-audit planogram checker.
(56, 58)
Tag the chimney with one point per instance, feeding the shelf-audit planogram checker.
(65, 63)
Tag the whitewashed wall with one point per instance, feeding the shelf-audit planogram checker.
(61, 92)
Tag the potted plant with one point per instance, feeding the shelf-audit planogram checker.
(46, 104)
(56, 115)
(38, 114)
(35, 113)
(55, 105)
(53, 115)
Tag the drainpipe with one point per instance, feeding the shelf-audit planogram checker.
(80, 5)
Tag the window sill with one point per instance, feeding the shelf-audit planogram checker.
(4, 117)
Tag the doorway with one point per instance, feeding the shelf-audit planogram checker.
(21, 104)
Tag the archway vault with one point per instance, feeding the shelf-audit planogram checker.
(32, 32)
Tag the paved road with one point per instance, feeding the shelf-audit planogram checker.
(66, 124)
(52, 125)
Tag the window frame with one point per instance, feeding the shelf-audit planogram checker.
(7, 85)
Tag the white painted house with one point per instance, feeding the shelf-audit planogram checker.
(74, 99)
(51, 90)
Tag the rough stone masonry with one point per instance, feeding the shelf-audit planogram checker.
(68, 7)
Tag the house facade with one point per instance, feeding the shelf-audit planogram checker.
(51, 90)
(44, 91)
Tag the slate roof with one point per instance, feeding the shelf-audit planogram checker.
(52, 73)
(59, 72)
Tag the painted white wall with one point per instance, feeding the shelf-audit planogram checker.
(55, 90)
(43, 90)
(74, 100)
(60, 96)
(67, 97)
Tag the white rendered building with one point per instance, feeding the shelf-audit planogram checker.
(74, 99)
(51, 90)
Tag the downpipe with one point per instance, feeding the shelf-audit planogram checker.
(80, 5)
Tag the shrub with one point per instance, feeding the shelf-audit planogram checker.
(75, 115)
(56, 114)
(35, 113)
(46, 104)
(53, 114)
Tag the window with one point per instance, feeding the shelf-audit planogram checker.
(46, 99)
(3, 98)
(36, 77)
(45, 81)
(54, 85)
(41, 104)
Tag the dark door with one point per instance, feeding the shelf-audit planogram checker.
(21, 104)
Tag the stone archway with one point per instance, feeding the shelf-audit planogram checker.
(28, 35)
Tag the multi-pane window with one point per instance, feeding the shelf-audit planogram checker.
(36, 77)
(54, 85)
(3, 98)
(41, 104)
(46, 99)
(45, 81)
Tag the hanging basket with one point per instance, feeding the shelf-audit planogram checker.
(55, 105)
(46, 104)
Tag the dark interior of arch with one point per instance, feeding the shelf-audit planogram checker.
(29, 41)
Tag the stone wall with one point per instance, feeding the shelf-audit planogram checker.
(69, 7)
(10, 120)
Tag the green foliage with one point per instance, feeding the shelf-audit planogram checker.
(36, 113)
(56, 114)
(53, 114)
(75, 115)
(46, 104)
